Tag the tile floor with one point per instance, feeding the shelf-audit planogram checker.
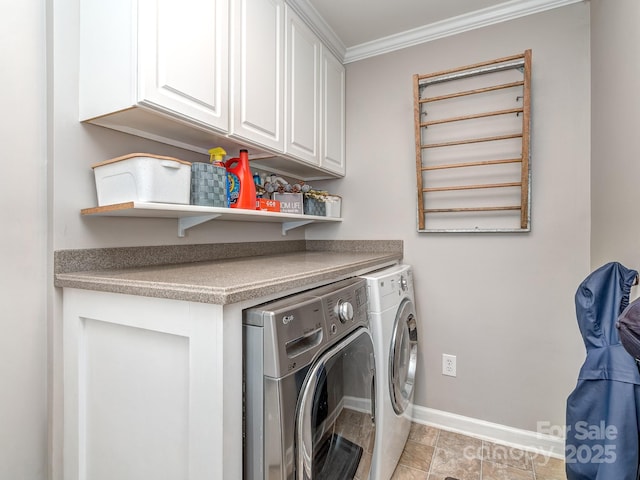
(433, 454)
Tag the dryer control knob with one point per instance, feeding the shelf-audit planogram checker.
(344, 311)
(403, 283)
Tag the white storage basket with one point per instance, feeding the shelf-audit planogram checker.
(142, 177)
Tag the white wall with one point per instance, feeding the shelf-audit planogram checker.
(503, 303)
(615, 125)
(23, 259)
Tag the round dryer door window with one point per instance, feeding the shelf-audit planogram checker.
(403, 357)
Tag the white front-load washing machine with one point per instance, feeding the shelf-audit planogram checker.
(392, 318)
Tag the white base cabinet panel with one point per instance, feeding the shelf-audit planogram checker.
(152, 388)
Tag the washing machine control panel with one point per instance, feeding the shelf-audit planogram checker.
(344, 311)
(295, 328)
(386, 289)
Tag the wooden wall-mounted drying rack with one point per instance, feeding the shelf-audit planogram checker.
(472, 134)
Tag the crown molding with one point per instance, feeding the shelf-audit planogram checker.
(453, 26)
(502, 12)
(320, 27)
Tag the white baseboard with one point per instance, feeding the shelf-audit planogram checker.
(356, 403)
(513, 437)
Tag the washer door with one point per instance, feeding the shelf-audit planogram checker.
(333, 441)
(403, 357)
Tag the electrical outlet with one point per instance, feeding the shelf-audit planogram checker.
(449, 365)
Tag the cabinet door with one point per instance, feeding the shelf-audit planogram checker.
(258, 72)
(183, 58)
(302, 90)
(333, 114)
(152, 389)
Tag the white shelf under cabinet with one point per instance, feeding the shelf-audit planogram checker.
(191, 215)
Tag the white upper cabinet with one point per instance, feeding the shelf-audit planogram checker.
(333, 114)
(185, 52)
(257, 59)
(140, 57)
(203, 73)
(303, 90)
(315, 99)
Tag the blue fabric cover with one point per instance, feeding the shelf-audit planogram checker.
(603, 410)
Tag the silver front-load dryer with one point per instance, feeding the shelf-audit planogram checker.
(309, 386)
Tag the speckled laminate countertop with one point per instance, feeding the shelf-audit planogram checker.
(232, 280)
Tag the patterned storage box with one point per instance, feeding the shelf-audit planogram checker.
(209, 185)
(313, 206)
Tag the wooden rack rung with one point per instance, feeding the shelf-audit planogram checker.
(472, 209)
(472, 140)
(472, 92)
(472, 164)
(472, 187)
(472, 116)
(470, 67)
